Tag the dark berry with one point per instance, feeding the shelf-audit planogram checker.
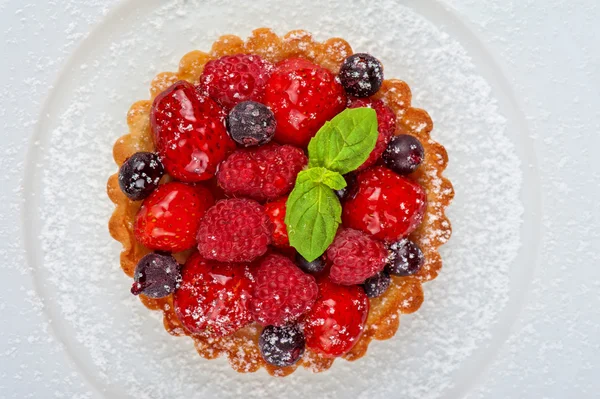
(376, 285)
(250, 124)
(281, 346)
(316, 266)
(156, 275)
(347, 191)
(406, 258)
(403, 154)
(140, 174)
(361, 75)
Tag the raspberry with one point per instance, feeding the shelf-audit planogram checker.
(169, 218)
(337, 319)
(212, 297)
(282, 292)
(303, 96)
(386, 205)
(234, 230)
(354, 257)
(235, 78)
(263, 173)
(386, 120)
(276, 212)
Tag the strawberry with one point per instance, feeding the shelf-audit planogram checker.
(386, 126)
(282, 292)
(276, 212)
(231, 79)
(303, 96)
(189, 133)
(337, 318)
(169, 218)
(212, 297)
(385, 205)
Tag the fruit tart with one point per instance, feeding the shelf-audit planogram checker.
(279, 201)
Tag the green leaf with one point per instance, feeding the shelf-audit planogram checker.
(345, 142)
(313, 212)
(331, 179)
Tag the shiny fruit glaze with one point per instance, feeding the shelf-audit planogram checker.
(212, 297)
(337, 319)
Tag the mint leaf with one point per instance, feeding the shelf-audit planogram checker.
(313, 212)
(345, 142)
(331, 179)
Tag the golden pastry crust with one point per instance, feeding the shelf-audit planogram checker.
(405, 294)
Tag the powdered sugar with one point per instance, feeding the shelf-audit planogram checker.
(80, 260)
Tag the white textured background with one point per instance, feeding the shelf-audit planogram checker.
(549, 53)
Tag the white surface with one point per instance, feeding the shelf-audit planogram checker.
(547, 53)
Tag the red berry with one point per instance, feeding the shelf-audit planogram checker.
(303, 96)
(231, 79)
(169, 218)
(282, 292)
(234, 230)
(386, 120)
(276, 212)
(385, 205)
(189, 133)
(212, 297)
(337, 318)
(355, 256)
(263, 173)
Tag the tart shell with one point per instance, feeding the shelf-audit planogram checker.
(405, 294)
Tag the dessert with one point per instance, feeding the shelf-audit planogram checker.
(300, 206)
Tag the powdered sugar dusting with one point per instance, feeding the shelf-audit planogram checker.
(115, 334)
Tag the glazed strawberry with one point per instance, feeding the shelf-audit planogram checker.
(303, 96)
(384, 204)
(386, 126)
(232, 79)
(355, 256)
(189, 133)
(263, 173)
(282, 292)
(169, 218)
(212, 297)
(234, 230)
(337, 318)
(276, 212)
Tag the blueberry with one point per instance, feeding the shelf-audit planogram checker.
(403, 154)
(251, 124)
(406, 258)
(140, 174)
(281, 346)
(361, 75)
(316, 266)
(157, 275)
(376, 285)
(348, 191)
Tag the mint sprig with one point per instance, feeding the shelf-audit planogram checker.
(345, 142)
(313, 210)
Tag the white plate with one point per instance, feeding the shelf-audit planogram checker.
(121, 348)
